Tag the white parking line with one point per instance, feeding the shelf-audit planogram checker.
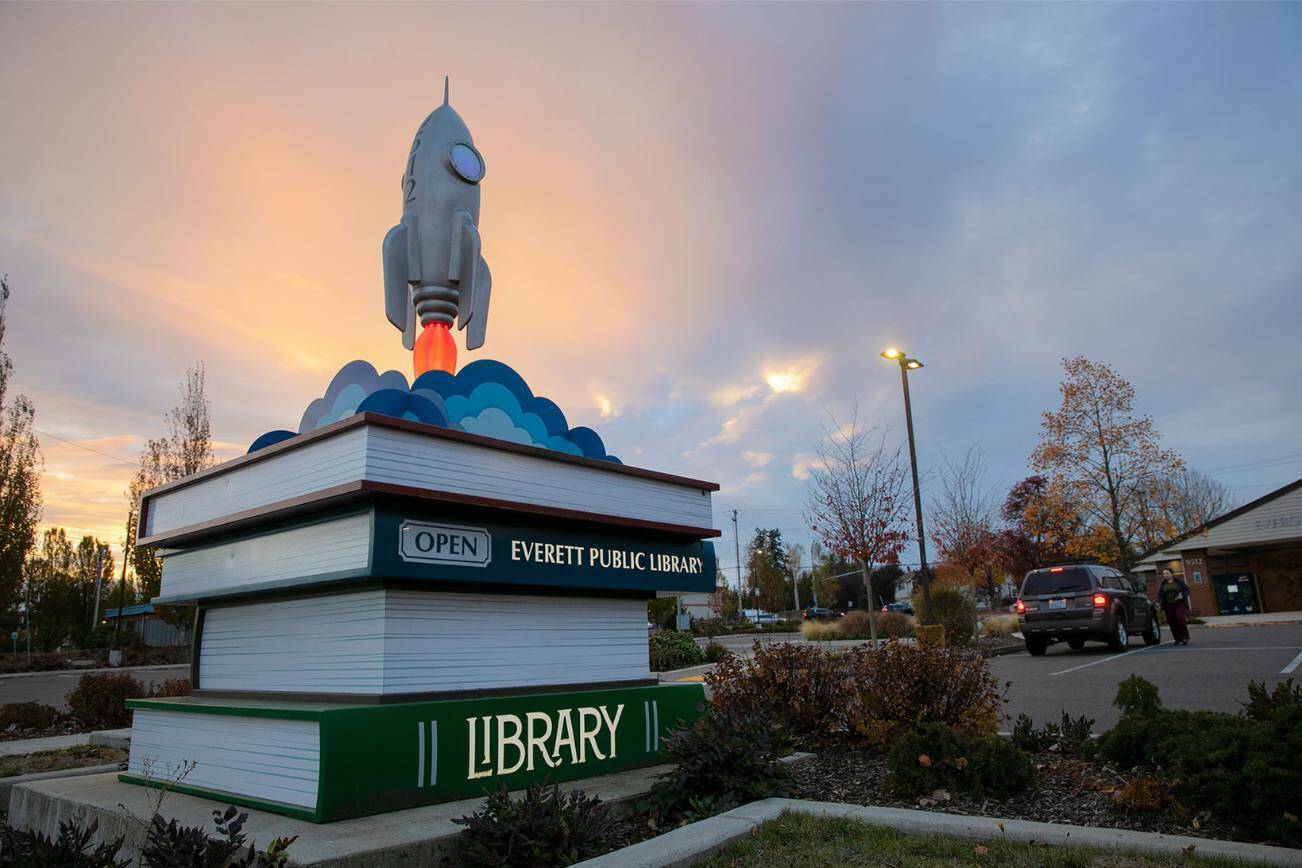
(1107, 659)
(1293, 665)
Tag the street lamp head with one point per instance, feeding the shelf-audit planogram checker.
(912, 364)
(891, 353)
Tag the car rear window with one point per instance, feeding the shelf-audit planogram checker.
(1048, 582)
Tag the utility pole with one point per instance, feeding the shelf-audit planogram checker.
(27, 611)
(99, 582)
(909, 364)
(736, 542)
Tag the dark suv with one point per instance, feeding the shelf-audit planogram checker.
(1077, 602)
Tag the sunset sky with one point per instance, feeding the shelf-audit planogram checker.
(703, 221)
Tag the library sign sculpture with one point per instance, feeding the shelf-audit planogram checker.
(429, 588)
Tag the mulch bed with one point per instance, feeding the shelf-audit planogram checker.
(1067, 790)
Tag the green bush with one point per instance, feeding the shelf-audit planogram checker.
(71, 849)
(1262, 703)
(662, 612)
(28, 715)
(954, 610)
(544, 828)
(709, 626)
(671, 650)
(714, 652)
(724, 759)
(169, 845)
(940, 757)
(1247, 770)
(901, 687)
(1137, 697)
(1069, 736)
(802, 689)
(98, 700)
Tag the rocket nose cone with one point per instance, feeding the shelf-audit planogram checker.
(444, 123)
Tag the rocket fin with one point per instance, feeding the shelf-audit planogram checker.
(468, 272)
(397, 291)
(409, 333)
(479, 314)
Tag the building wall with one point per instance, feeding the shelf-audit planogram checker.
(1198, 576)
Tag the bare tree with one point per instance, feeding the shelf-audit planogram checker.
(1196, 499)
(184, 450)
(962, 521)
(20, 473)
(856, 502)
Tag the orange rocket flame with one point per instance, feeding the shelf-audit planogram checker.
(435, 350)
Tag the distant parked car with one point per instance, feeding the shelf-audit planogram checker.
(819, 613)
(902, 608)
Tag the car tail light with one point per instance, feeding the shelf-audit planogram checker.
(1100, 601)
(1055, 569)
(1020, 607)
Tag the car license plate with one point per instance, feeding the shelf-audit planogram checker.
(1057, 604)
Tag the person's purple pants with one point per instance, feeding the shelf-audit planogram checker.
(1177, 618)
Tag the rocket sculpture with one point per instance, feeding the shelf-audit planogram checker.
(433, 270)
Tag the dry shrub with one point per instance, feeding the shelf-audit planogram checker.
(930, 635)
(173, 687)
(800, 688)
(901, 687)
(99, 699)
(820, 631)
(28, 715)
(855, 625)
(1143, 794)
(999, 625)
(894, 625)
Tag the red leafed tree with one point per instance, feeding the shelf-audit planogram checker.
(856, 501)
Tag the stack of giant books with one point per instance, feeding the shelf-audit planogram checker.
(392, 614)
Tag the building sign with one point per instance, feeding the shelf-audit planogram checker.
(410, 545)
(1283, 522)
(427, 543)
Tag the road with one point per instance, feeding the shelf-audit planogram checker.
(51, 687)
(1211, 673)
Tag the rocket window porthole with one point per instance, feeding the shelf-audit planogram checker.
(466, 162)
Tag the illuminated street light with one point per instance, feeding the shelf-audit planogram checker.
(907, 364)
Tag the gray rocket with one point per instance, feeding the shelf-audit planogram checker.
(433, 269)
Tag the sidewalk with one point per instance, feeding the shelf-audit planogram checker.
(1257, 620)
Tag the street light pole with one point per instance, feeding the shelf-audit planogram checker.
(907, 364)
(736, 544)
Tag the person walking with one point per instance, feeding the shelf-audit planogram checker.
(1173, 595)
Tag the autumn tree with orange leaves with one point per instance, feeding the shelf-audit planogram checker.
(1106, 463)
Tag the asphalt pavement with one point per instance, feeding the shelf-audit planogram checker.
(1211, 673)
(51, 688)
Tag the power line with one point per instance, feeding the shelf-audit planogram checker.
(83, 446)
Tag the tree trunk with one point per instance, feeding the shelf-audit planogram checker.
(872, 605)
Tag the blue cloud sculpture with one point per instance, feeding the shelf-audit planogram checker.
(486, 398)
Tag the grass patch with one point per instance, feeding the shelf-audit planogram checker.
(799, 839)
(54, 760)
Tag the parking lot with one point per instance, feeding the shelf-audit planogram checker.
(1211, 673)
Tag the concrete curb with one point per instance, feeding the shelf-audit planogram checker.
(697, 841)
(7, 784)
(89, 671)
(119, 738)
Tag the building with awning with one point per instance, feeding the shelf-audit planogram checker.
(1246, 561)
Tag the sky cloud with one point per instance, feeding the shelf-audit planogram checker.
(723, 212)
